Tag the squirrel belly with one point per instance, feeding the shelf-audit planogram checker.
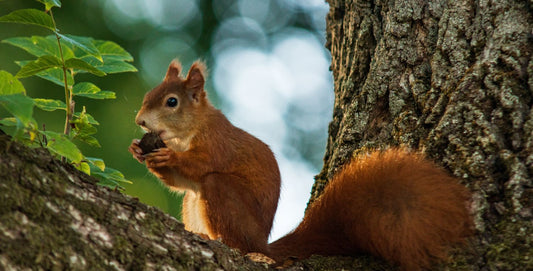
(393, 204)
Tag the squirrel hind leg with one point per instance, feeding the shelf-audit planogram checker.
(234, 216)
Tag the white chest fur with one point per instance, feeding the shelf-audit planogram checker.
(179, 144)
(194, 215)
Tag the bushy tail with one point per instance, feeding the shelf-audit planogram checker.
(394, 204)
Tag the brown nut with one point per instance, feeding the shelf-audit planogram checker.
(151, 141)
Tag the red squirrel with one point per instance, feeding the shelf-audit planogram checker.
(394, 204)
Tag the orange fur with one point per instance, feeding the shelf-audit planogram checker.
(393, 204)
(231, 178)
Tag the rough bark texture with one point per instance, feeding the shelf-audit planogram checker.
(53, 217)
(451, 78)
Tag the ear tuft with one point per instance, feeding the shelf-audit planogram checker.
(196, 76)
(173, 71)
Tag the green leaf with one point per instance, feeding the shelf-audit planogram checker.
(113, 59)
(50, 104)
(41, 64)
(110, 175)
(40, 46)
(83, 130)
(78, 64)
(83, 43)
(82, 123)
(54, 75)
(18, 131)
(61, 145)
(84, 167)
(19, 105)
(90, 90)
(89, 140)
(9, 84)
(114, 66)
(110, 64)
(109, 48)
(9, 121)
(90, 118)
(29, 16)
(50, 3)
(97, 162)
(37, 46)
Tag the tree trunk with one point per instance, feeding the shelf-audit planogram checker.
(453, 79)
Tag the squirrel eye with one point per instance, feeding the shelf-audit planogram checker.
(172, 102)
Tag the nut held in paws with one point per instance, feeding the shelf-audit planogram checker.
(150, 142)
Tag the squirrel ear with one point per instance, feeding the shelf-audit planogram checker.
(173, 71)
(196, 76)
(195, 81)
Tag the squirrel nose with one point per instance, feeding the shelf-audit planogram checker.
(140, 121)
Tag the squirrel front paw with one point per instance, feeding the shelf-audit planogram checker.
(136, 150)
(162, 157)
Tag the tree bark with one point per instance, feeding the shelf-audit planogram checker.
(54, 217)
(453, 79)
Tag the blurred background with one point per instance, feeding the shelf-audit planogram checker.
(268, 72)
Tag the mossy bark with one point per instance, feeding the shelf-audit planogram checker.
(54, 217)
(453, 79)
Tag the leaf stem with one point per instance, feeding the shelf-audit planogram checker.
(68, 92)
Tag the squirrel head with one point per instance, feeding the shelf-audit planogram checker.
(174, 108)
